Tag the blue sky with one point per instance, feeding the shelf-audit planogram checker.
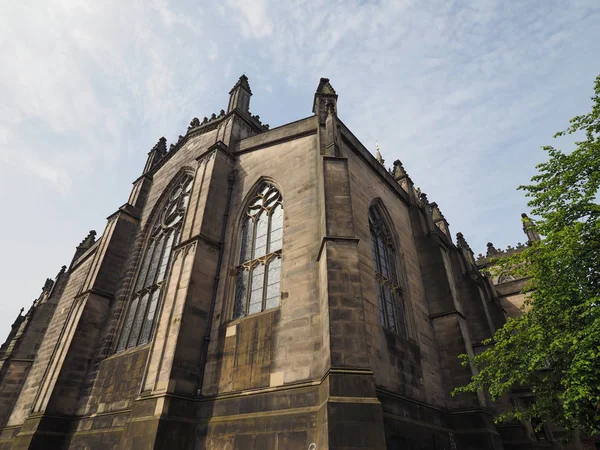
(463, 92)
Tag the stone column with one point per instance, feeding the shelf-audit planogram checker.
(353, 416)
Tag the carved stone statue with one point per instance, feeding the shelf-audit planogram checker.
(529, 229)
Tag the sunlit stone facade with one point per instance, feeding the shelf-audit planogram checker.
(260, 289)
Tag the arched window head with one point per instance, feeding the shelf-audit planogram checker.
(258, 273)
(389, 290)
(165, 232)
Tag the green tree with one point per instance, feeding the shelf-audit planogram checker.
(554, 348)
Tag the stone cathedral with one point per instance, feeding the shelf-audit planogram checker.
(260, 289)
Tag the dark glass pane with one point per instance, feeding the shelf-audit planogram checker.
(390, 309)
(374, 251)
(155, 261)
(256, 292)
(149, 319)
(260, 241)
(382, 256)
(246, 247)
(392, 265)
(127, 325)
(273, 284)
(164, 261)
(137, 323)
(241, 289)
(276, 236)
(381, 305)
(144, 268)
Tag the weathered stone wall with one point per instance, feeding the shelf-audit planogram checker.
(32, 387)
(276, 346)
(408, 367)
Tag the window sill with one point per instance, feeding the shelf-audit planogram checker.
(251, 316)
(128, 351)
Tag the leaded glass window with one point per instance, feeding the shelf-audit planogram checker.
(389, 290)
(257, 283)
(165, 233)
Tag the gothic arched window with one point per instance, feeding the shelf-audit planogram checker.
(165, 232)
(389, 291)
(257, 284)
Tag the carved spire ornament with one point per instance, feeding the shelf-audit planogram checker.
(239, 96)
(378, 156)
(529, 229)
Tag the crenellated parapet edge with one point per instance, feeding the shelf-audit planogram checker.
(239, 104)
(492, 252)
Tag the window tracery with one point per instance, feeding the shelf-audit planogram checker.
(258, 274)
(389, 290)
(165, 234)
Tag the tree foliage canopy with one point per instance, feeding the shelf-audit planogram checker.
(554, 347)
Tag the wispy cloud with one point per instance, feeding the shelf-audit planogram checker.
(463, 92)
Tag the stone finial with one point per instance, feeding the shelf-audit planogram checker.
(89, 240)
(156, 154)
(423, 201)
(222, 113)
(160, 149)
(21, 311)
(325, 87)
(194, 123)
(398, 171)
(213, 116)
(325, 100)
(491, 250)
(529, 229)
(48, 285)
(461, 242)
(378, 156)
(242, 83)
(239, 96)
(436, 213)
(63, 269)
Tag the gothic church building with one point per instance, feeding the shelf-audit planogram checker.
(260, 289)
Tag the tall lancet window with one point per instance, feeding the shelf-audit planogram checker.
(389, 290)
(165, 233)
(257, 284)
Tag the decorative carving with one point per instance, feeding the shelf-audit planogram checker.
(222, 113)
(89, 240)
(436, 213)
(330, 106)
(204, 120)
(241, 83)
(378, 156)
(206, 158)
(423, 201)
(325, 87)
(529, 229)
(461, 242)
(398, 171)
(194, 123)
(491, 250)
(48, 285)
(213, 116)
